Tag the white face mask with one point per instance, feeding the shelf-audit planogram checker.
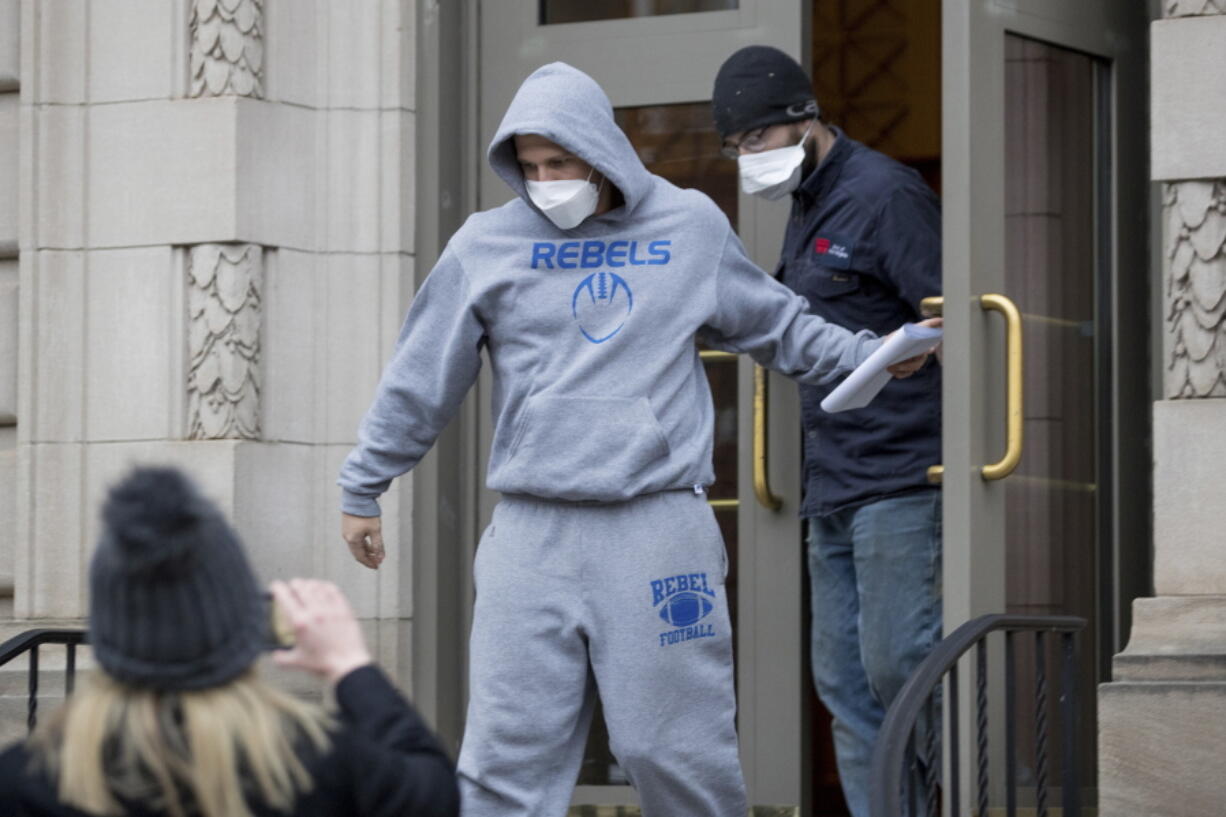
(566, 203)
(772, 174)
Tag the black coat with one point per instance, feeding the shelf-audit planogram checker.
(383, 761)
(863, 245)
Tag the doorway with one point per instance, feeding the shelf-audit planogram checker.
(876, 70)
(872, 66)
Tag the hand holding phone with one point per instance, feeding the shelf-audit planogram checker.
(327, 639)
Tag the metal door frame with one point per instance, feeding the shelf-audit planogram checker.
(442, 524)
(973, 93)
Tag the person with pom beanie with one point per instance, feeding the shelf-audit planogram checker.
(177, 722)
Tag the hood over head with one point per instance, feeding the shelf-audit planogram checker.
(569, 108)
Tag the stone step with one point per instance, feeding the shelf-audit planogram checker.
(1162, 667)
(1160, 748)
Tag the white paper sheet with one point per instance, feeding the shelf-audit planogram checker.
(860, 387)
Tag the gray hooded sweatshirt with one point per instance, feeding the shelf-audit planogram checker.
(599, 393)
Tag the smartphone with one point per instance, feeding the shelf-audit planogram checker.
(279, 635)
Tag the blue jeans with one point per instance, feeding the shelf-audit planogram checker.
(875, 573)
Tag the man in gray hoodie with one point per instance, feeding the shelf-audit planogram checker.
(603, 566)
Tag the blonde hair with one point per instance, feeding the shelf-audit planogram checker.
(192, 752)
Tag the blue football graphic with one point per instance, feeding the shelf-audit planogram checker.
(601, 303)
(685, 609)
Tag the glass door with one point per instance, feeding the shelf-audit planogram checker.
(1034, 364)
(657, 60)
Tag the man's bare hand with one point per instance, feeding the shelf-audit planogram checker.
(908, 367)
(364, 535)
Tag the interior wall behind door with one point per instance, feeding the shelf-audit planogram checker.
(876, 70)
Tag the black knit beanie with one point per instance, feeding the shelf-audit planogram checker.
(173, 602)
(759, 86)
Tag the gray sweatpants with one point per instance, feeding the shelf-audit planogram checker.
(623, 600)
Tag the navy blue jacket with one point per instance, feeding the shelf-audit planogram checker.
(863, 245)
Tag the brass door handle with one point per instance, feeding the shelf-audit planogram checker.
(761, 481)
(1013, 389)
(1013, 385)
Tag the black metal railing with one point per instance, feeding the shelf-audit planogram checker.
(899, 768)
(30, 641)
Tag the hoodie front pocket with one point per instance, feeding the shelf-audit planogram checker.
(585, 447)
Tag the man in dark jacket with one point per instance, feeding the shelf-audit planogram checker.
(863, 245)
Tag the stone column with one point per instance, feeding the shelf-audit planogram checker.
(1163, 718)
(216, 256)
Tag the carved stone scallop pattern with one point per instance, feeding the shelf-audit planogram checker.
(1193, 8)
(227, 53)
(224, 310)
(1195, 213)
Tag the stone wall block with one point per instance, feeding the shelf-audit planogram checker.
(8, 341)
(292, 46)
(162, 173)
(1189, 449)
(60, 32)
(277, 175)
(210, 464)
(399, 46)
(352, 341)
(55, 376)
(392, 647)
(1160, 748)
(290, 350)
(275, 496)
(10, 44)
(8, 504)
(1188, 113)
(51, 577)
(132, 50)
(131, 354)
(353, 179)
(270, 492)
(354, 35)
(225, 310)
(9, 157)
(1175, 638)
(58, 219)
(398, 173)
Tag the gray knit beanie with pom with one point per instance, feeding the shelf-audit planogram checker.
(174, 604)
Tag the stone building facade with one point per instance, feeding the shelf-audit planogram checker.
(1163, 718)
(206, 251)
